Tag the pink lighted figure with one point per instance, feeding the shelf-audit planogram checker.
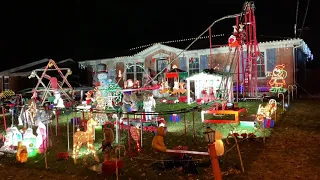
(41, 139)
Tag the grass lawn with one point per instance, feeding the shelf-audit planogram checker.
(140, 166)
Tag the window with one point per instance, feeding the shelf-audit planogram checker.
(140, 71)
(193, 66)
(135, 71)
(130, 71)
(6, 82)
(261, 73)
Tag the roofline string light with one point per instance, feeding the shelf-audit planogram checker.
(174, 41)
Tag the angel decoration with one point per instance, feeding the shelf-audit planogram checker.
(148, 104)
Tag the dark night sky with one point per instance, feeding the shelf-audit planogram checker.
(83, 30)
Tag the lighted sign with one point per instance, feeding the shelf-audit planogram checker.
(277, 81)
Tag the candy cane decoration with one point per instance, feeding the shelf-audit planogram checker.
(117, 150)
(135, 134)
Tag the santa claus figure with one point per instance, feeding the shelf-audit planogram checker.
(89, 99)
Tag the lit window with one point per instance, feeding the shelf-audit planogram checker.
(6, 83)
(194, 66)
(260, 66)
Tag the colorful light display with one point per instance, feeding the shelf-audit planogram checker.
(87, 137)
(101, 118)
(277, 82)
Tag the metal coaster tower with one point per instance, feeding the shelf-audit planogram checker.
(248, 52)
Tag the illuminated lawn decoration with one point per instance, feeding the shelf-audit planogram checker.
(29, 140)
(6, 94)
(107, 143)
(266, 111)
(30, 112)
(164, 88)
(101, 118)
(22, 153)
(135, 134)
(277, 81)
(41, 139)
(220, 87)
(13, 136)
(112, 90)
(148, 105)
(53, 85)
(87, 137)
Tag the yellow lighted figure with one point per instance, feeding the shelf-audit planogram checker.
(158, 142)
(164, 87)
(22, 153)
(182, 90)
(32, 110)
(87, 137)
(266, 111)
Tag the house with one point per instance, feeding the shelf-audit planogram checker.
(293, 53)
(16, 79)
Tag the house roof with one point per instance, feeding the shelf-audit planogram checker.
(201, 45)
(25, 70)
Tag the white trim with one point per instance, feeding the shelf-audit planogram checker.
(217, 50)
(134, 70)
(161, 55)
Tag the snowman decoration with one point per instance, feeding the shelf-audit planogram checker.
(58, 101)
(102, 75)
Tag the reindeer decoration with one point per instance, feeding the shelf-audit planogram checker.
(87, 137)
(164, 87)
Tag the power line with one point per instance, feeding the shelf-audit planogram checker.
(295, 26)
(304, 19)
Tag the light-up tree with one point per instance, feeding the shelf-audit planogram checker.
(101, 118)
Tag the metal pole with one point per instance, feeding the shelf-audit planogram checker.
(194, 129)
(214, 162)
(117, 128)
(141, 129)
(129, 140)
(68, 134)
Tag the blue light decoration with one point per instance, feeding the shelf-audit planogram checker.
(268, 123)
(260, 88)
(175, 118)
(306, 50)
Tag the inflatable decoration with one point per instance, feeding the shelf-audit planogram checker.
(158, 141)
(29, 140)
(106, 146)
(22, 153)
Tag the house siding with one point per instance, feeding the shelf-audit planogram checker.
(150, 65)
(274, 53)
(1, 84)
(285, 56)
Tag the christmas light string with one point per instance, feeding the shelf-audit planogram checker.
(175, 41)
